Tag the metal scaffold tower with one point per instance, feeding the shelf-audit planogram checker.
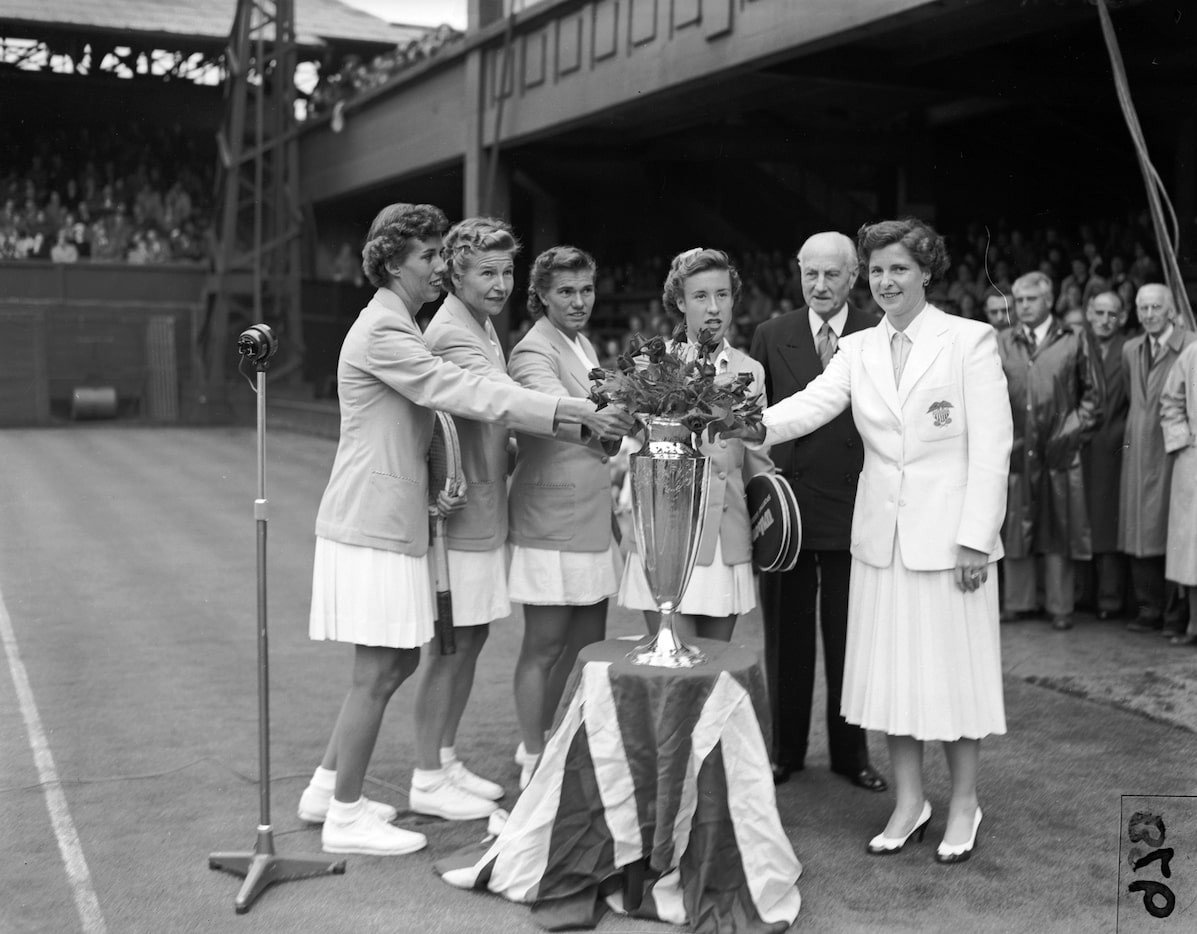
(257, 256)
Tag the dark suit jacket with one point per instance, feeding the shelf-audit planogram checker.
(1102, 455)
(824, 466)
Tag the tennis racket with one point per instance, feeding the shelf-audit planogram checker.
(444, 475)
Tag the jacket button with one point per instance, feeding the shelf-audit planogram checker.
(605, 458)
(725, 507)
(901, 502)
(722, 443)
(723, 475)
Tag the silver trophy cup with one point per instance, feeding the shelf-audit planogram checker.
(669, 501)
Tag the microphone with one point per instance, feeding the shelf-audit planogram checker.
(257, 343)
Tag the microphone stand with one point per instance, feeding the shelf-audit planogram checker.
(261, 866)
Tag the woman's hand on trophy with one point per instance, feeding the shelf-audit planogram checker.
(753, 435)
(611, 423)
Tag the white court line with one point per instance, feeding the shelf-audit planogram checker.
(86, 902)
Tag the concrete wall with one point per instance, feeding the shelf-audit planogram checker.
(570, 61)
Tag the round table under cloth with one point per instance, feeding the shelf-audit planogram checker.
(654, 797)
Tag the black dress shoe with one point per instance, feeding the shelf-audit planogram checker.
(1145, 624)
(781, 774)
(866, 778)
(1184, 638)
(1105, 615)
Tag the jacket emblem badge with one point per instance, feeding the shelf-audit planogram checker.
(941, 413)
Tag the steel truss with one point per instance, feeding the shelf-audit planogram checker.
(257, 273)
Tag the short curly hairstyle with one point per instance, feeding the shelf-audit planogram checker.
(691, 263)
(467, 238)
(917, 237)
(393, 234)
(552, 261)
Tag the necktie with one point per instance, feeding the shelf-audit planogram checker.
(826, 343)
(1031, 339)
(899, 348)
(1152, 350)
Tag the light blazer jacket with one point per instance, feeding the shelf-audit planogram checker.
(455, 335)
(732, 466)
(389, 383)
(560, 496)
(937, 453)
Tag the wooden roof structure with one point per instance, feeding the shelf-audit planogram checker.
(206, 25)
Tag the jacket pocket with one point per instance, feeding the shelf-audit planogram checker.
(478, 521)
(545, 512)
(938, 413)
(392, 505)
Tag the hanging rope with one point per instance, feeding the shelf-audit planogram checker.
(1163, 215)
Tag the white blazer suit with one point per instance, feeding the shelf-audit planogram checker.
(937, 449)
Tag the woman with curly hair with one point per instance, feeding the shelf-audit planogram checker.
(371, 585)
(564, 558)
(928, 396)
(479, 254)
(702, 288)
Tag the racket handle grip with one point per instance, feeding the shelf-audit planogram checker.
(444, 623)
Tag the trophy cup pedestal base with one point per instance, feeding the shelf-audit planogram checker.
(666, 650)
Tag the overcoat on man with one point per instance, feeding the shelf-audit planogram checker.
(1146, 470)
(1056, 397)
(1101, 457)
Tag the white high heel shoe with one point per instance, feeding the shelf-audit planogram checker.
(947, 853)
(881, 845)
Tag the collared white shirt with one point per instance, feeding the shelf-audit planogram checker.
(1158, 343)
(837, 322)
(576, 346)
(1040, 331)
(912, 329)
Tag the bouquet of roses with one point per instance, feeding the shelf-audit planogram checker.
(679, 381)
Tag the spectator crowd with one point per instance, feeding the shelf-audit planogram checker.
(138, 193)
(1082, 261)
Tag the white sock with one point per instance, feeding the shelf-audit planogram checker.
(427, 779)
(345, 813)
(324, 778)
(448, 755)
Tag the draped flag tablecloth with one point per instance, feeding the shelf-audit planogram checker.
(654, 797)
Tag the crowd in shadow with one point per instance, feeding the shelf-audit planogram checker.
(139, 193)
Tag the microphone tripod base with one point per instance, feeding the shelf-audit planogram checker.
(262, 867)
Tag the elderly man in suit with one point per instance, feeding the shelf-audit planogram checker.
(1101, 458)
(1056, 397)
(823, 469)
(1146, 469)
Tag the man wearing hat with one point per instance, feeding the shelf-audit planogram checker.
(822, 468)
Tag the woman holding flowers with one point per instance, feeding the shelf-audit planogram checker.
(564, 559)
(702, 287)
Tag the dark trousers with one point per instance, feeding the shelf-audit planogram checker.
(1158, 599)
(788, 603)
(1101, 583)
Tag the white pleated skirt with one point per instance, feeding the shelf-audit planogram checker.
(546, 577)
(715, 589)
(923, 657)
(478, 583)
(368, 596)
